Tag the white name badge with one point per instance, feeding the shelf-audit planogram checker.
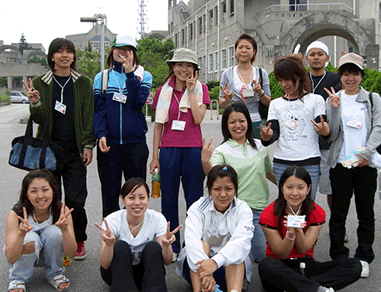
(60, 107)
(356, 123)
(247, 92)
(178, 125)
(296, 221)
(119, 97)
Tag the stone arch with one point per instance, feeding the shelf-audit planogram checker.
(12, 48)
(36, 53)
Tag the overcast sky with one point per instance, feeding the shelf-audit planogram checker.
(43, 20)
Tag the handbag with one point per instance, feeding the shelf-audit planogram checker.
(30, 153)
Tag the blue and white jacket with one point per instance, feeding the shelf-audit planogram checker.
(120, 122)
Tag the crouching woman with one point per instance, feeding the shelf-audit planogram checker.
(218, 232)
(136, 243)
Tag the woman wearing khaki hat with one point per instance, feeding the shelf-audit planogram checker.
(354, 118)
(180, 105)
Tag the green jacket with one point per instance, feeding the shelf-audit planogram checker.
(83, 107)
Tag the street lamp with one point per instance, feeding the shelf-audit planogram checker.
(101, 18)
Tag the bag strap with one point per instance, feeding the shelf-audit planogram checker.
(260, 76)
(104, 82)
(371, 99)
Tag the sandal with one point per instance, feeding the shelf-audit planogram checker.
(57, 280)
(16, 284)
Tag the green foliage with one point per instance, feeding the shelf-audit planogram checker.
(152, 55)
(5, 97)
(3, 81)
(212, 84)
(214, 92)
(276, 90)
(88, 63)
(23, 44)
(37, 59)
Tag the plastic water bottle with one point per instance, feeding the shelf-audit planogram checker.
(302, 267)
(156, 183)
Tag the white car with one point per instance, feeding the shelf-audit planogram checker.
(18, 96)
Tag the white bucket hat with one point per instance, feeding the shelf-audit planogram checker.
(184, 55)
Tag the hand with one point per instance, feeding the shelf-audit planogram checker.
(107, 236)
(362, 161)
(208, 284)
(191, 82)
(257, 86)
(291, 231)
(87, 157)
(228, 95)
(206, 267)
(24, 226)
(62, 221)
(266, 133)
(154, 164)
(32, 93)
(103, 145)
(334, 99)
(207, 150)
(322, 128)
(170, 237)
(128, 61)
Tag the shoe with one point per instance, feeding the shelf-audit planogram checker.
(81, 252)
(324, 289)
(329, 290)
(174, 257)
(346, 239)
(365, 269)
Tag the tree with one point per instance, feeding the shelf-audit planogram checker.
(23, 44)
(152, 55)
(89, 62)
(3, 81)
(37, 59)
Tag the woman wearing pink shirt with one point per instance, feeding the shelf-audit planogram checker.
(180, 105)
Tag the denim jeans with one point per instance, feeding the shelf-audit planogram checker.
(48, 249)
(258, 242)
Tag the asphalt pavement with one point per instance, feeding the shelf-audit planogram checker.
(85, 275)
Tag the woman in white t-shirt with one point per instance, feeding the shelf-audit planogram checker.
(295, 120)
(136, 243)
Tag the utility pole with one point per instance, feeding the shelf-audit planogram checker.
(142, 16)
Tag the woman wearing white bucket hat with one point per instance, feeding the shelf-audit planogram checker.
(180, 105)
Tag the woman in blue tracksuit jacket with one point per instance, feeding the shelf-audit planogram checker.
(119, 123)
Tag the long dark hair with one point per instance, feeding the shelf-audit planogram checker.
(280, 203)
(57, 44)
(221, 171)
(251, 40)
(110, 57)
(131, 185)
(291, 67)
(39, 174)
(237, 106)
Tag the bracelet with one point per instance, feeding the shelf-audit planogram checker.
(289, 237)
(262, 94)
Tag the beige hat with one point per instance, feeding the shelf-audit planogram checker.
(184, 55)
(352, 58)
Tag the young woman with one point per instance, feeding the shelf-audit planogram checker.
(136, 243)
(250, 160)
(218, 231)
(39, 229)
(180, 105)
(295, 120)
(119, 123)
(243, 82)
(354, 116)
(288, 247)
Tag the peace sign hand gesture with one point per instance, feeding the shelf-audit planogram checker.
(334, 99)
(228, 95)
(170, 237)
(207, 150)
(257, 86)
(107, 236)
(32, 93)
(322, 128)
(62, 221)
(128, 63)
(191, 82)
(266, 133)
(24, 226)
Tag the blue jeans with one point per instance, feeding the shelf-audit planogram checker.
(258, 242)
(313, 170)
(48, 249)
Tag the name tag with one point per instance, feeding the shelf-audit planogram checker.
(247, 92)
(178, 125)
(356, 123)
(60, 107)
(119, 97)
(296, 221)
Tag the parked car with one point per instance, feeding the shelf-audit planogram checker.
(18, 96)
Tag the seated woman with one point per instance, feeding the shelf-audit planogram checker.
(290, 249)
(39, 228)
(136, 243)
(218, 232)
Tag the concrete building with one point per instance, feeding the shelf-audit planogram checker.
(211, 27)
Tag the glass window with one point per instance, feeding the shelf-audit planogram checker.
(231, 56)
(223, 59)
(211, 64)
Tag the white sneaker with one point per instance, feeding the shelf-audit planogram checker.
(174, 257)
(330, 290)
(365, 269)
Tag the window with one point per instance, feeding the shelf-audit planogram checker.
(298, 5)
(215, 61)
(200, 25)
(183, 37)
(216, 15)
(270, 51)
(191, 31)
(211, 17)
(211, 64)
(176, 43)
(231, 7)
(223, 8)
(200, 62)
(231, 56)
(204, 63)
(223, 59)
(205, 23)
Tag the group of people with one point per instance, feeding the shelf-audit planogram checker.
(317, 132)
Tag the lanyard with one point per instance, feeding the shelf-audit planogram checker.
(297, 212)
(62, 87)
(312, 81)
(178, 101)
(240, 77)
(124, 85)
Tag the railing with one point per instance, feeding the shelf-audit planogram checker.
(306, 7)
(211, 109)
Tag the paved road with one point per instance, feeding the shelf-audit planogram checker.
(85, 274)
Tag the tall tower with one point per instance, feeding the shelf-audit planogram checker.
(142, 16)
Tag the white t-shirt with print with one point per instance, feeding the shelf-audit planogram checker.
(297, 137)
